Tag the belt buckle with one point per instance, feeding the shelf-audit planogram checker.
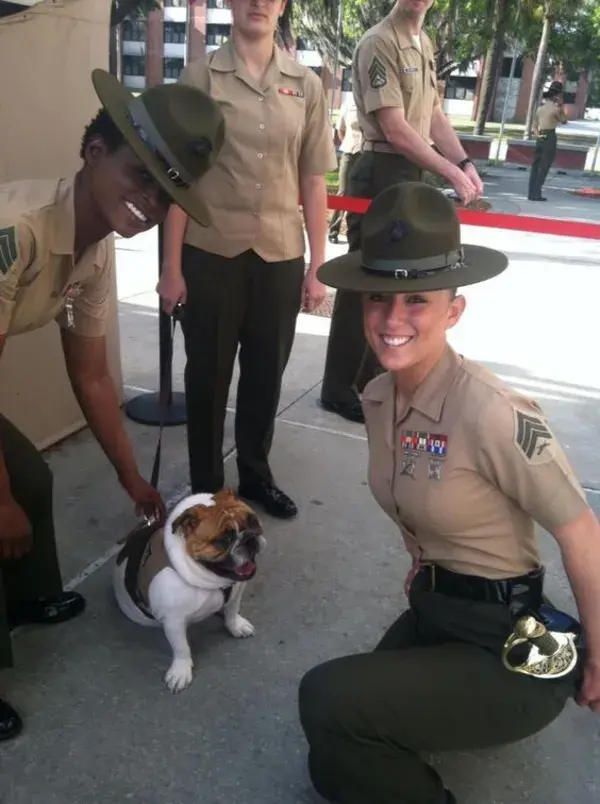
(431, 572)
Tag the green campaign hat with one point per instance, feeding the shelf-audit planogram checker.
(411, 242)
(177, 131)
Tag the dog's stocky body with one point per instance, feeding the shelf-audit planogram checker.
(193, 567)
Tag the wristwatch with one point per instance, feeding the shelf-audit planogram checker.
(466, 161)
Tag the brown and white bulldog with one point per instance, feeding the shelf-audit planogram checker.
(193, 567)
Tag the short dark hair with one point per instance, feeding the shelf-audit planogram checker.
(102, 126)
(285, 25)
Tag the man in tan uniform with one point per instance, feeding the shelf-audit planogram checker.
(547, 118)
(350, 136)
(56, 263)
(465, 467)
(400, 114)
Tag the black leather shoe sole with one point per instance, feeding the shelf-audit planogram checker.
(352, 411)
(48, 611)
(11, 724)
(272, 499)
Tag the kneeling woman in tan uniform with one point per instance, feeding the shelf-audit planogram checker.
(465, 466)
(242, 278)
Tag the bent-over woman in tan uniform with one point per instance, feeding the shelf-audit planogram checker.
(465, 467)
(243, 277)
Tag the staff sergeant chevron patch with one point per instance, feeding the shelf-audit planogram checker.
(533, 438)
(377, 73)
(8, 249)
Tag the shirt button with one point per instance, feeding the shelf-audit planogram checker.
(260, 97)
(260, 156)
(261, 126)
(258, 186)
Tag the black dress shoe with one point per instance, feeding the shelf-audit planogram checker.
(47, 611)
(272, 499)
(11, 724)
(348, 410)
(537, 199)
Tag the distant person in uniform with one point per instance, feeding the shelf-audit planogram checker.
(350, 135)
(465, 467)
(56, 263)
(547, 117)
(400, 113)
(243, 279)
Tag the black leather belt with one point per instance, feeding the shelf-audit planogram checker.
(521, 592)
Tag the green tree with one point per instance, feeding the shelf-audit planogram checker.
(122, 10)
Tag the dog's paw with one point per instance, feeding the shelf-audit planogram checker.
(179, 675)
(239, 627)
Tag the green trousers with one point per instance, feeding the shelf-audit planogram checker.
(37, 574)
(545, 152)
(435, 682)
(350, 362)
(236, 303)
(346, 163)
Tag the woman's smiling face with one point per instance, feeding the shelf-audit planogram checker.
(408, 329)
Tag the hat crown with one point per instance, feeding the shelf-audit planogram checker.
(189, 121)
(410, 221)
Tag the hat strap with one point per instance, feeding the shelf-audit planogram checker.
(416, 269)
(144, 125)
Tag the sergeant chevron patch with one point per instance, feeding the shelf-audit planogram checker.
(8, 249)
(377, 73)
(533, 438)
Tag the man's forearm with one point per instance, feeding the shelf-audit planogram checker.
(313, 196)
(445, 137)
(581, 559)
(406, 141)
(100, 405)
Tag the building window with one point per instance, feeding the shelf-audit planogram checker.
(460, 87)
(172, 67)
(217, 34)
(134, 31)
(507, 64)
(347, 79)
(217, 4)
(175, 32)
(134, 65)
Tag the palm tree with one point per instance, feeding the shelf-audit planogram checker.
(500, 19)
(551, 9)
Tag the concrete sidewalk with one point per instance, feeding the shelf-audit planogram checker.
(101, 727)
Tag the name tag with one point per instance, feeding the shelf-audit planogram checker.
(407, 70)
(294, 93)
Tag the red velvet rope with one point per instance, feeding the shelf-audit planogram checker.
(496, 220)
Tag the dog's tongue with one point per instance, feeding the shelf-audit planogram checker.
(246, 568)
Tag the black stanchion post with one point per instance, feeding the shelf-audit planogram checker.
(145, 408)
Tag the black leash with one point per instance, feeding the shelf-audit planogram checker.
(166, 382)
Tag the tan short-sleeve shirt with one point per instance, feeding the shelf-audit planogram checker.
(275, 131)
(37, 270)
(390, 70)
(467, 469)
(549, 116)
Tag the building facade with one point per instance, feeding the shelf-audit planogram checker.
(155, 50)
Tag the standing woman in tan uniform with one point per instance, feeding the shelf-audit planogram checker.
(547, 118)
(464, 466)
(242, 279)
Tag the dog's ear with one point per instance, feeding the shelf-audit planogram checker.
(187, 522)
(252, 523)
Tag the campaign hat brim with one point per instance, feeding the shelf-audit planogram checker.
(116, 99)
(346, 272)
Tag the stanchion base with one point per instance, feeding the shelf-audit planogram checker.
(145, 409)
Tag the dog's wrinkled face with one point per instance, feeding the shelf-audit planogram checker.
(225, 537)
